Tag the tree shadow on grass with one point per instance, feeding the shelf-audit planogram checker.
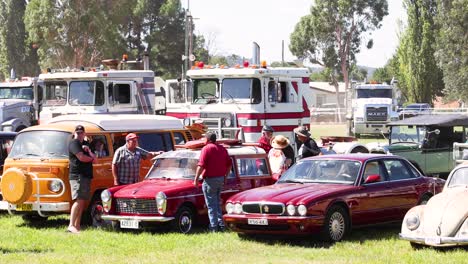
(360, 235)
(23, 250)
(44, 223)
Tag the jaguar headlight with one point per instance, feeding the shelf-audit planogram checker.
(55, 186)
(229, 208)
(412, 221)
(302, 210)
(238, 208)
(291, 209)
(161, 202)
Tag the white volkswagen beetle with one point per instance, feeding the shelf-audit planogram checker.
(443, 221)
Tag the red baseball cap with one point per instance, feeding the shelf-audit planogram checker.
(130, 136)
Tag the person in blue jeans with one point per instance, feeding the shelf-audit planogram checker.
(214, 167)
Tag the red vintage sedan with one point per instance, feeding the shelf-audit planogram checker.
(330, 194)
(167, 194)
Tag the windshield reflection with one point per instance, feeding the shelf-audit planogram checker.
(322, 171)
(173, 168)
(405, 134)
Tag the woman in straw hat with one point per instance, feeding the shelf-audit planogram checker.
(281, 156)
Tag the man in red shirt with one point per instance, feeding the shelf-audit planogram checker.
(214, 166)
(265, 140)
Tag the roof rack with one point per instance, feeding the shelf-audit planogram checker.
(200, 143)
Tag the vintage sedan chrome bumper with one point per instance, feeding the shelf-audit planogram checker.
(138, 218)
(436, 241)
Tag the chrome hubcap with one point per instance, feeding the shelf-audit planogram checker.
(336, 226)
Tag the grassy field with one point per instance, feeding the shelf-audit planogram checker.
(49, 243)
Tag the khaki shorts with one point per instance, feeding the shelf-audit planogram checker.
(81, 188)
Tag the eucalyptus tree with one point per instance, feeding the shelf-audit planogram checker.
(452, 47)
(15, 51)
(331, 35)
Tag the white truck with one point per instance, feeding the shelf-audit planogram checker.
(236, 102)
(98, 91)
(16, 104)
(372, 107)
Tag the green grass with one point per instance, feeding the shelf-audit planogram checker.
(49, 243)
(21, 243)
(340, 130)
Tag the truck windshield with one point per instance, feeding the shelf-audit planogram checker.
(241, 91)
(40, 144)
(16, 93)
(405, 134)
(86, 93)
(173, 168)
(55, 93)
(205, 91)
(374, 93)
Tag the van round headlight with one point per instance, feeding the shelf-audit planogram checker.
(227, 122)
(412, 221)
(291, 209)
(238, 208)
(55, 185)
(229, 208)
(186, 121)
(302, 210)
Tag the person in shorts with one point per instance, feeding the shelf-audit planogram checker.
(81, 172)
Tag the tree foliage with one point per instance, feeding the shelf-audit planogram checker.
(15, 51)
(419, 77)
(332, 33)
(452, 47)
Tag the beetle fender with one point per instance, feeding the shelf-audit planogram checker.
(16, 186)
(349, 147)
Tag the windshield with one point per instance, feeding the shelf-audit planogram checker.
(241, 91)
(41, 144)
(374, 93)
(55, 93)
(86, 93)
(322, 171)
(173, 168)
(459, 177)
(16, 93)
(205, 91)
(413, 134)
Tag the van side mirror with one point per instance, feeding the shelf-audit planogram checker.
(110, 92)
(372, 178)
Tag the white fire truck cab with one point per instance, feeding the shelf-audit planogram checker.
(237, 102)
(97, 91)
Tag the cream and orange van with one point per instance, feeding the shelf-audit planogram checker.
(35, 181)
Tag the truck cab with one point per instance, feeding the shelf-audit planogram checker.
(237, 102)
(372, 107)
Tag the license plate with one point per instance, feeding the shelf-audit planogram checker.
(257, 221)
(133, 224)
(432, 240)
(24, 207)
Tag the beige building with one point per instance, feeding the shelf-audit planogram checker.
(324, 93)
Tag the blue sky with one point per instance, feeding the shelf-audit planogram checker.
(233, 25)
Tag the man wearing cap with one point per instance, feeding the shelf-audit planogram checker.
(81, 173)
(309, 147)
(127, 159)
(214, 166)
(265, 140)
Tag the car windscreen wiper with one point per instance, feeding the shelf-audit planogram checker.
(291, 181)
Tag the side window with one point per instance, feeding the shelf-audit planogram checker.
(179, 138)
(176, 93)
(373, 168)
(248, 167)
(155, 141)
(118, 140)
(99, 146)
(232, 174)
(397, 170)
(272, 93)
(121, 92)
(283, 92)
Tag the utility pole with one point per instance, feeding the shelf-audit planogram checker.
(188, 41)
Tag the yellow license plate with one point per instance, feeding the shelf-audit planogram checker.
(24, 207)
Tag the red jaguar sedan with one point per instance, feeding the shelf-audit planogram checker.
(328, 195)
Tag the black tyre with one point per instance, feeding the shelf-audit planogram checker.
(93, 216)
(336, 224)
(424, 199)
(184, 220)
(416, 246)
(357, 135)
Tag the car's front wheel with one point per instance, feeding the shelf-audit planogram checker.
(184, 220)
(336, 224)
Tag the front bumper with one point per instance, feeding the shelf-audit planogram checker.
(281, 225)
(370, 128)
(137, 218)
(436, 241)
(36, 207)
